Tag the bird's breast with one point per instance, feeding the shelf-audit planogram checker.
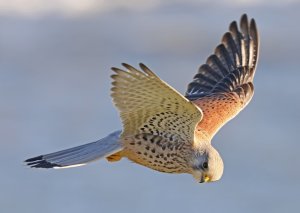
(156, 152)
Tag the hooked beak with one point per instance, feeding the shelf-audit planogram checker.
(205, 179)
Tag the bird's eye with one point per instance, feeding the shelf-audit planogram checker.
(205, 165)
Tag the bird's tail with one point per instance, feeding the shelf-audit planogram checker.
(79, 155)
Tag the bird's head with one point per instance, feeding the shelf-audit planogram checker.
(207, 165)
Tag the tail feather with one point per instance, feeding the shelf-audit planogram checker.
(79, 155)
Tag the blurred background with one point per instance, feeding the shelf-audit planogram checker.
(55, 59)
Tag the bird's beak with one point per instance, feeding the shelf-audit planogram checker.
(205, 179)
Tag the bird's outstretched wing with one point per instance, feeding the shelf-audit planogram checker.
(223, 85)
(149, 105)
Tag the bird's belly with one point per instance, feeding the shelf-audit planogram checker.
(155, 155)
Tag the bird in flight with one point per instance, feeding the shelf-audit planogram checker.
(169, 132)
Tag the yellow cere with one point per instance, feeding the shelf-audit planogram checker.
(206, 178)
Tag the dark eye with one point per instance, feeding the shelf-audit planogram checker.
(205, 165)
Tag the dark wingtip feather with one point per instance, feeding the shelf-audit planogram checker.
(253, 30)
(226, 37)
(224, 55)
(244, 18)
(115, 69)
(127, 66)
(244, 25)
(233, 27)
(143, 66)
(147, 70)
(131, 69)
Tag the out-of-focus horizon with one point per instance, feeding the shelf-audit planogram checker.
(77, 8)
(55, 58)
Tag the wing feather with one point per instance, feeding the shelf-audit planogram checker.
(223, 85)
(232, 64)
(149, 105)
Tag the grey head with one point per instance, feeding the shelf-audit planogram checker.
(206, 164)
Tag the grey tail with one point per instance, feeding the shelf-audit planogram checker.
(79, 155)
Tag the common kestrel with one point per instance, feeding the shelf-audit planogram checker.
(166, 131)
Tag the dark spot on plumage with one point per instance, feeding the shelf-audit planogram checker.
(153, 150)
(147, 147)
(178, 147)
(145, 153)
(158, 142)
